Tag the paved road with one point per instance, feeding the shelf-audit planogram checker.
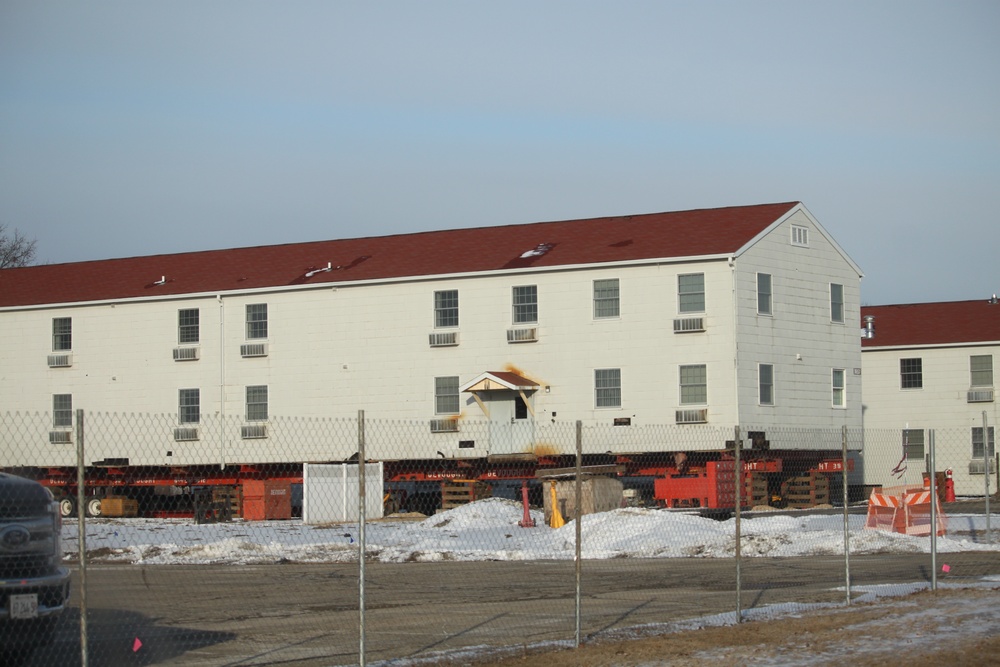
(306, 615)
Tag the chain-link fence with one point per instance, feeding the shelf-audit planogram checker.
(217, 541)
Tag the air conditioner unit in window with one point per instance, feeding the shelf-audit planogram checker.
(692, 416)
(186, 353)
(980, 396)
(253, 350)
(60, 437)
(689, 324)
(60, 360)
(444, 339)
(185, 433)
(977, 466)
(444, 426)
(529, 335)
(249, 431)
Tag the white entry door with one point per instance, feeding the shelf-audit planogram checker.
(512, 429)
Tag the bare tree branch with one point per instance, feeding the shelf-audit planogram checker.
(15, 250)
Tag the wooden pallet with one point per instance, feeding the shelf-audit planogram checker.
(458, 492)
(806, 490)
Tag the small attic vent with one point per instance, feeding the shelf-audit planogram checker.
(689, 324)
(800, 236)
(185, 434)
(691, 416)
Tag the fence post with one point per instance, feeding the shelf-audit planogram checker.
(81, 498)
(738, 483)
(847, 528)
(579, 520)
(934, 504)
(986, 475)
(361, 538)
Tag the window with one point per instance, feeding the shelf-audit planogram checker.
(765, 384)
(446, 308)
(62, 333)
(256, 321)
(526, 304)
(257, 403)
(981, 370)
(913, 444)
(911, 374)
(446, 400)
(691, 293)
(62, 410)
(188, 325)
(764, 293)
(608, 387)
(800, 236)
(189, 406)
(694, 385)
(836, 303)
(839, 388)
(977, 443)
(606, 298)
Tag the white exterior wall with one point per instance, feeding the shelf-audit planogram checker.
(941, 404)
(334, 351)
(798, 338)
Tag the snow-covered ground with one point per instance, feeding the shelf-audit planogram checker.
(489, 530)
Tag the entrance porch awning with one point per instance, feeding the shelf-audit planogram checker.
(500, 381)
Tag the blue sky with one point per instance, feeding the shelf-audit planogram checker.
(145, 128)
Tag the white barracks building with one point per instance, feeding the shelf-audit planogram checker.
(731, 316)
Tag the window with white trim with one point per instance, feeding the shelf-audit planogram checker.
(189, 406)
(911, 373)
(606, 298)
(763, 293)
(608, 387)
(839, 388)
(525, 300)
(981, 370)
(256, 321)
(256, 403)
(446, 308)
(446, 396)
(977, 443)
(694, 385)
(188, 325)
(836, 303)
(800, 236)
(913, 444)
(765, 384)
(62, 334)
(691, 293)
(62, 410)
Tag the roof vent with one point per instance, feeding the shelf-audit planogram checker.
(868, 331)
(312, 271)
(537, 251)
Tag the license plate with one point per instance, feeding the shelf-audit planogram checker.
(24, 606)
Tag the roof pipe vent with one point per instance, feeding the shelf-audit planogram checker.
(868, 332)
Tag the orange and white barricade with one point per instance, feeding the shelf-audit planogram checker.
(904, 509)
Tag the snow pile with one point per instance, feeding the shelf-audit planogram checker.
(489, 530)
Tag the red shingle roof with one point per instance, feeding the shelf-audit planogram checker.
(934, 323)
(597, 240)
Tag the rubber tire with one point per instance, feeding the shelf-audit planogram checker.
(93, 507)
(67, 507)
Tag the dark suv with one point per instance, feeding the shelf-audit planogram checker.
(34, 584)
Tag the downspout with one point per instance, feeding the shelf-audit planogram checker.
(222, 383)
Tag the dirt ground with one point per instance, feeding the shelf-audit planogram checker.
(957, 627)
